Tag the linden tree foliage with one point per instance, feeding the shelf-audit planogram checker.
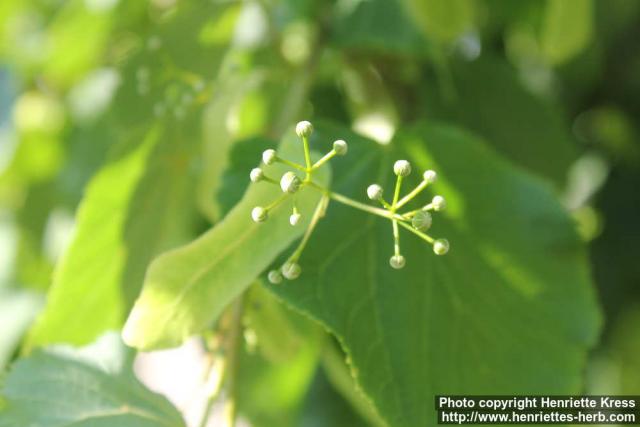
(333, 210)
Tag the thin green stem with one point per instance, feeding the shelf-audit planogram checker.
(307, 153)
(418, 233)
(384, 203)
(277, 202)
(330, 155)
(321, 208)
(413, 213)
(396, 193)
(396, 237)
(269, 180)
(406, 199)
(355, 204)
(292, 164)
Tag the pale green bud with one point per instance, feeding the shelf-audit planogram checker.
(374, 192)
(397, 262)
(275, 277)
(304, 129)
(430, 176)
(438, 203)
(340, 147)
(256, 175)
(290, 183)
(441, 246)
(259, 214)
(402, 168)
(291, 270)
(269, 156)
(421, 221)
(294, 219)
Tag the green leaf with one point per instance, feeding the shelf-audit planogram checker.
(491, 101)
(89, 387)
(442, 20)
(136, 207)
(510, 309)
(186, 289)
(379, 26)
(567, 28)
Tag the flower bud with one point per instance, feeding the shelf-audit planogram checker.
(259, 214)
(291, 270)
(438, 203)
(340, 147)
(269, 156)
(430, 176)
(290, 183)
(256, 175)
(294, 219)
(374, 191)
(421, 221)
(304, 129)
(402, 168)
(397, 262)
(441, 246)
(275, 277)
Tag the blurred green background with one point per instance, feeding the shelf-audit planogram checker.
(553, 85)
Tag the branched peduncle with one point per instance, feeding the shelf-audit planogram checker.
(416, 221)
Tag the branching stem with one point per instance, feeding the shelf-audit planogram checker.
(406, 199)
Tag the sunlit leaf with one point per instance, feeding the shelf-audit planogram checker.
(186, 289)
(136, 207)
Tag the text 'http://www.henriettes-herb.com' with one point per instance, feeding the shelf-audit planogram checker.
(417, 221)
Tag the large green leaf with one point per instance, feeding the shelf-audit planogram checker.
(89, 387)
(136, 207)
(186, 289)
(510, 309)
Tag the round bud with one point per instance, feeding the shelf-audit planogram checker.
(397, 262)
(441, 246)
(430, 176)
(304, 129)
(275, 277)
(290, 183)
(421, 221)
(269, 156)
(291, 270)
(374, 191)
(340, 147)
(294, 219)
(402, 168)
(259, 214)
(256, 175)
(438, 203)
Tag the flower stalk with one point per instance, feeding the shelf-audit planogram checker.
(416, 221)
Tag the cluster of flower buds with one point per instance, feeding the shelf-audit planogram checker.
(290, 183)
(417, 221)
